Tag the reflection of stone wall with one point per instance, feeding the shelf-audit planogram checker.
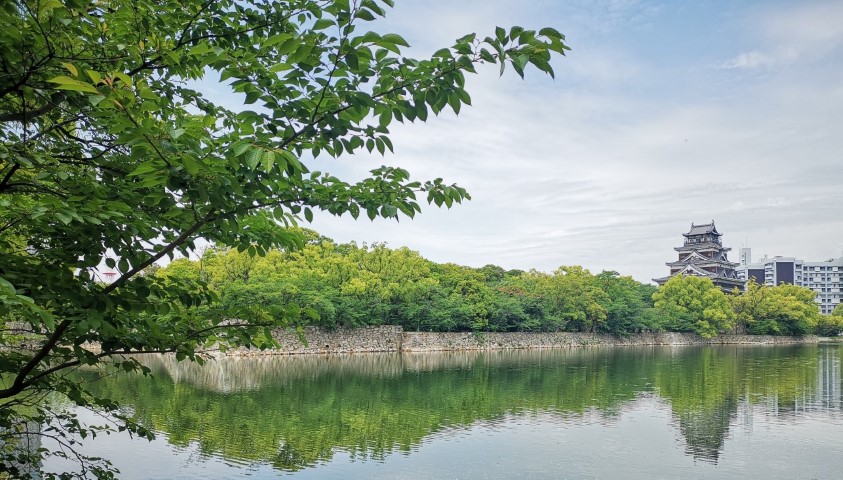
(243, 373)
(234, 374)
(392, 339)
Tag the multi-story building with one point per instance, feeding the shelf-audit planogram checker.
(748, 270)
(825, 278)
(703, 255)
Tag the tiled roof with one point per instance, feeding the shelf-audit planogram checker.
(702, 229)
(701, 246)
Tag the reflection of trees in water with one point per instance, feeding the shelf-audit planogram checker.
(293, 412)
(778, 382)
(20, 441)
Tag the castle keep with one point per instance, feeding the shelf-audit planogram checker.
(703, 255)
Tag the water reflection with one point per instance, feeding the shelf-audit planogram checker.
(297, 412)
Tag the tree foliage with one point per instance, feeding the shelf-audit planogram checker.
(350, 285)
(831, 325)
(113, 155)
(776, 310)
(694, 304)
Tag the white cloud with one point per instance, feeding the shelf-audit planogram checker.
(606, 166)
(801, 31)
(756, 59)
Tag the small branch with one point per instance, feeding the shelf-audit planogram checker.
(28, 115)
(8, 176)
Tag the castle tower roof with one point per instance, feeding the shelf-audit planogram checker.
(706, 228)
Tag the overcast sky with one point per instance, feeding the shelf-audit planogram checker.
(663, 114)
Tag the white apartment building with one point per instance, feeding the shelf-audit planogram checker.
(825, 278)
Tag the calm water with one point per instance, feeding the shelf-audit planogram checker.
(680, 412)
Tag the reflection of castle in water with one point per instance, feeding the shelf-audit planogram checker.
(377, 403)
(705, 430)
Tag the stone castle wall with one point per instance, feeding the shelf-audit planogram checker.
(385, 338)
(393, 339)
(421, 342)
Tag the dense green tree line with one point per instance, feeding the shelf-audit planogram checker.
(348, 285)
(694, 304)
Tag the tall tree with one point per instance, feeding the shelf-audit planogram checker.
(694, 304)
(778, 310)
(112, 154)
(831, 325)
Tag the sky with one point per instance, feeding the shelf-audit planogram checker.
(662, 114)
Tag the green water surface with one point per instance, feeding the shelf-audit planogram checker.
(648, 412)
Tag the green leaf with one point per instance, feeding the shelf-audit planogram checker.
(389, 211)
(64, 217)
(268, 160)
(500, 33)
(288, 46)
(464, 97)
(46, 317)
(421, 111)
(275, 39)
(322, 24)
(551, 32)
(67, 83)
(240, 147)
(191, 165)
(146, 167)
(352, 61)
(396, 39)
(252, 97)
(253, 158)
(71, 68)
(364, 14)
(280, 67)
(521, 60)
(94, 76)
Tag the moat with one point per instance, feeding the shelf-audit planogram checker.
(599, 412)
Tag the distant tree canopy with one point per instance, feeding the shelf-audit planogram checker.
(831, 325)
(349, 285)
(694, 304)
(781, 310)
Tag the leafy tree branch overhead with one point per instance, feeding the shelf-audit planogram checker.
(111, 155)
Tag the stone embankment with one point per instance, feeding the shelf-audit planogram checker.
(393, 339)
